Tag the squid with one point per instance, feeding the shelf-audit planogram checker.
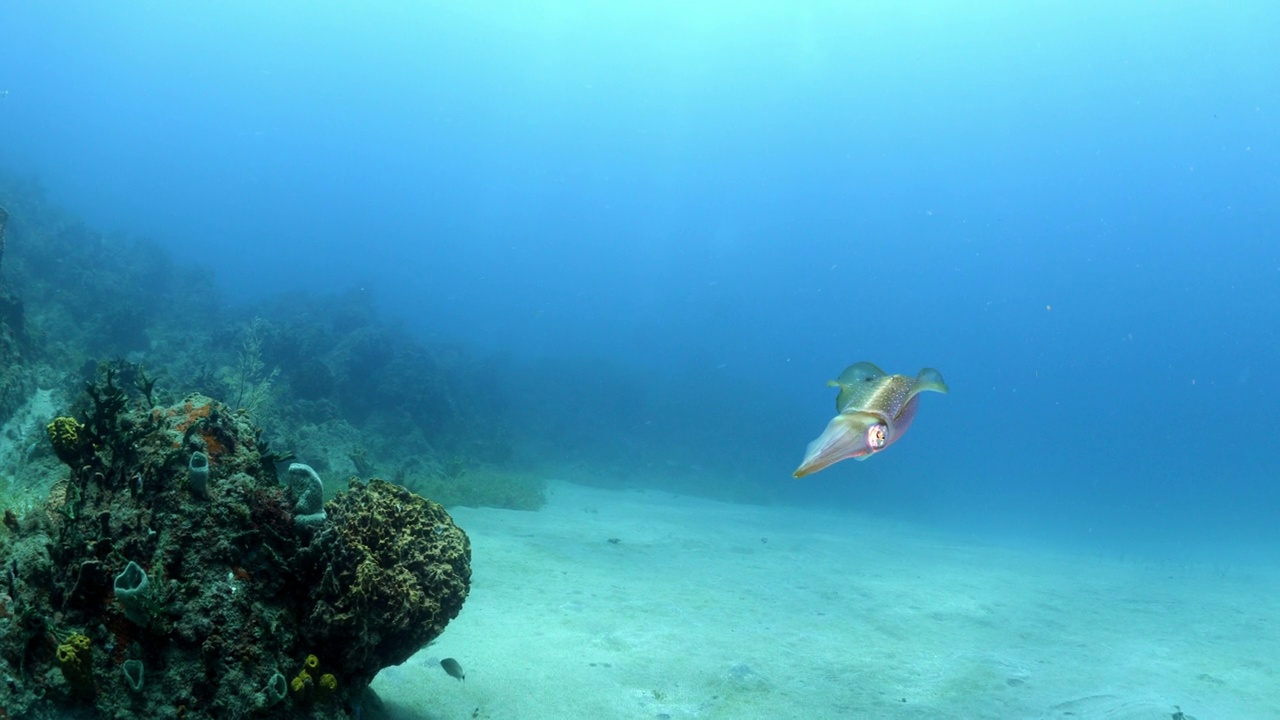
(875, 409)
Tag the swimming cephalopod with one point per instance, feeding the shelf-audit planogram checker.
(875, 409)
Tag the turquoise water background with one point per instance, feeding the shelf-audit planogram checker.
(678, 220)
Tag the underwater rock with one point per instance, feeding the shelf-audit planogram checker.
(218, 598)
(389, 569)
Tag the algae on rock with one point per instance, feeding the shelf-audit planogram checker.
(484, 487)
(229, 594)
(384, 576)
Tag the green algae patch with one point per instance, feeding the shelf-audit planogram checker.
(486, 487)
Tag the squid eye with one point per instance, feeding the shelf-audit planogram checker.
(877, 435)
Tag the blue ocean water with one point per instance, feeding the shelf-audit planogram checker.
(676, 221)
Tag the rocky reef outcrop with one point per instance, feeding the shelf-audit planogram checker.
(169, 575)
(16, 378)
(388, 571)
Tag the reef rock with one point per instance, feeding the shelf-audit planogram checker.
(16, 380)
(389, 570)
(129, 595)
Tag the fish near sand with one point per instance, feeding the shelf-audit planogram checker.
(454, 669)
(875, 409)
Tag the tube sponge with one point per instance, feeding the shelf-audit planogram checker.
(133, 592)
(277, 687)
(308, 488)
(132, 670)
(198, 474)
(328, 683)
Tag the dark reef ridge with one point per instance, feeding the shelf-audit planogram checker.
(328, 376)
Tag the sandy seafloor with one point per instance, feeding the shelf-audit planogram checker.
(705, 609)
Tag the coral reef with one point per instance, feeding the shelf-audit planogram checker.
(131, 593)
(160, 559)
(16, 379)
(388, 571)
(323, 374)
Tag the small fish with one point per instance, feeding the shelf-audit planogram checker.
(452, 667)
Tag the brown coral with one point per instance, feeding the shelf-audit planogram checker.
(390, 570)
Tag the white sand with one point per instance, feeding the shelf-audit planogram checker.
(693, 614)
